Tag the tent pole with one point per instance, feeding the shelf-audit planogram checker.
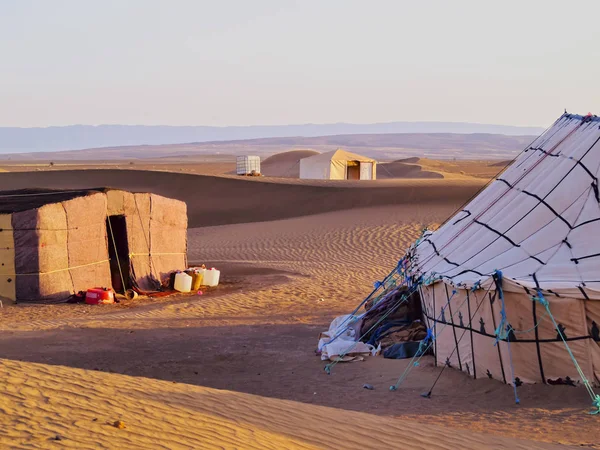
(537, 342)
(496, 326)
(471, 332)
(453, 328)
(434, 330)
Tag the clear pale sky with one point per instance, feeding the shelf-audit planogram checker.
(246, 62)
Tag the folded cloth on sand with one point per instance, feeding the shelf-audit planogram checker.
(350, 350)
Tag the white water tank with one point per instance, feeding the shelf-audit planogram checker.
(211, 277)
(183, 282)
(247, 165)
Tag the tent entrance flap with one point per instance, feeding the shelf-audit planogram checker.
(366, 170)
(118, 252)
(352, 170)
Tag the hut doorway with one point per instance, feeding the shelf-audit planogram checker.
(352, 170)
(118, 252)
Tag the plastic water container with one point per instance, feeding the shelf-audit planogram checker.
(211, 277)
(198, 279)
(183, 282)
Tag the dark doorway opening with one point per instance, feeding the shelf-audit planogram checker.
(118, 252)
(352, 170)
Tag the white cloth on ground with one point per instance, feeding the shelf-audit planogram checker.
(347, 330)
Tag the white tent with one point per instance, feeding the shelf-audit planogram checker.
(511, 284)
(338, 165)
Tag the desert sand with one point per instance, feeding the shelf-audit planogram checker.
(235, 368)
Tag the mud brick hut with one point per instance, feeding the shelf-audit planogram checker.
(56, 243)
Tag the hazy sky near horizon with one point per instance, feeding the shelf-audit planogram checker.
(225, 62)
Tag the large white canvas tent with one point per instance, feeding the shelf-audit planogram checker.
(511, 284)
(509, 287)
(338, 165)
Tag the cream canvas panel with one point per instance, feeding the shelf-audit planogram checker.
(476, 345)
(368, 170)
(87, 241)
(455, 315)
(475, 349)
(337, 170)
(592, 309)
(315, 169)
(484, 310)
(137, 208)
(7, 258)
(553, 360)
(168, 232)
(53, 276)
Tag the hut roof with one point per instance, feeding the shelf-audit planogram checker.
(25, 199)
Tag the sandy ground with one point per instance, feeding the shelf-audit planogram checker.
(56, 407)
(236, 368)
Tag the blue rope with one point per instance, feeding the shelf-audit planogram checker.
(377, 286)
(431, 337)
(595, 397)
(352, 318)
(404, 297)
(502, 330)
(428, 339)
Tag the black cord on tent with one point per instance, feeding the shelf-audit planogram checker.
(534, 256)
(540, 201)
(428, 394)
(461, 207)
(520, 178)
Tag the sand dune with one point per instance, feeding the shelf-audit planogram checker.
(42, 402)
(432, 168)
(413, 160)
(286, 164)
(405, 170)
(223, 200)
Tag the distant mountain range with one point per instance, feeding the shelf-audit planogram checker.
(382, 147)
(76, 137)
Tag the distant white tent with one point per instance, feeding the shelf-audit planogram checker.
(519, 266)
(338, 165)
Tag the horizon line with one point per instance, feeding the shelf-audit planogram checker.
(271, 125)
